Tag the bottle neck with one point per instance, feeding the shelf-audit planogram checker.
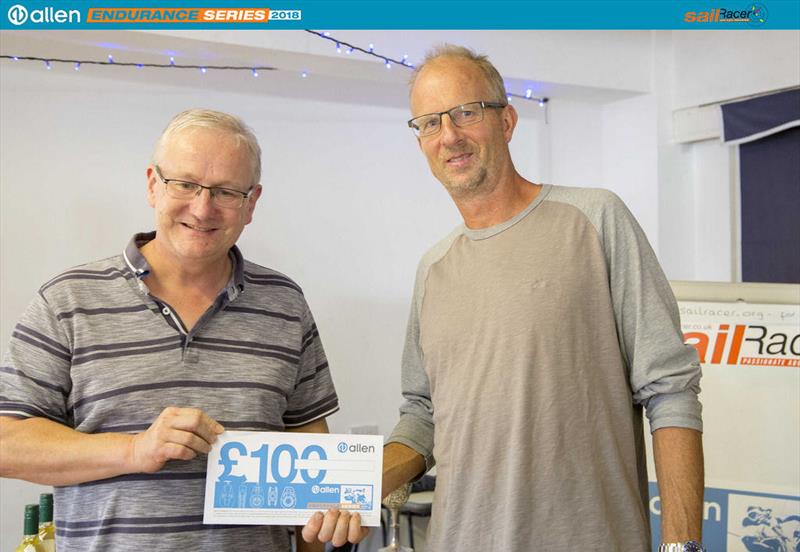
(45, 508)
(31, 526)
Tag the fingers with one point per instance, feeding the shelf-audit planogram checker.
(342, 528)
(328, 525)
(312, 527)
(186, 439)
(188, 427)
(337, 527)
(356, 532)
(173, 451)
(177, 434)
(194, 421)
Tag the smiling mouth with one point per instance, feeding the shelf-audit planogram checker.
(197, 228)
(460, 159)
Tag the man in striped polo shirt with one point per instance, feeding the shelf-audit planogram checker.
(122, 372)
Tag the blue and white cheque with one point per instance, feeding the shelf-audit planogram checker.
(269, 478)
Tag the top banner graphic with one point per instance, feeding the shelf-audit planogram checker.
(392, 14)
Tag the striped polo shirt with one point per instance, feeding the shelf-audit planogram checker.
(96, 352)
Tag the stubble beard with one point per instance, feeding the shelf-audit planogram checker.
(476, 185)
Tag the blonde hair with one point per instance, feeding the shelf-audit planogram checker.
(496, 85)
(215, 120)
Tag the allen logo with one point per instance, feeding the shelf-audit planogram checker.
(356, 447)
(19, 15)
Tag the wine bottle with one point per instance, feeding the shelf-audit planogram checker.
(47, 531)
(30, 540)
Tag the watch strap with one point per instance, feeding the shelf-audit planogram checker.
(688, 546)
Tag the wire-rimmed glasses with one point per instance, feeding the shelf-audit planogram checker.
(462, 115)
(185, 190)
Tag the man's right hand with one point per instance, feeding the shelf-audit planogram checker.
(177, 434)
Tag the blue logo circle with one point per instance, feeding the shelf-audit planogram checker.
(17, 14)
(342, 447)
(758, 14)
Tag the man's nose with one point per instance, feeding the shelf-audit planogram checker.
(450, 133)
(202, 202)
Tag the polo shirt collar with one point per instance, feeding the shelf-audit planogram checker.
(141, 269)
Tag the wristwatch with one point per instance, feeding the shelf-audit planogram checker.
(688, 546)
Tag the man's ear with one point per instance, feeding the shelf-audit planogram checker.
(510, 118)
(251, 203)
(152, 180)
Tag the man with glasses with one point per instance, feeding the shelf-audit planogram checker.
(539, 330)
(123, 372)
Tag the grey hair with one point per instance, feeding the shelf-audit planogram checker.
(496, 85)
(215, 120)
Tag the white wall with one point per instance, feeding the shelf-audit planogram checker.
(574, 144)
(711, 168)
(630, 157)
(721, 65)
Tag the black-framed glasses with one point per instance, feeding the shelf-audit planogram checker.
(223, 197)
(462, 115)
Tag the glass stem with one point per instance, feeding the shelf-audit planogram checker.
(394, 525)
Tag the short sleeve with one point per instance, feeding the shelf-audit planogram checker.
(35, 374)
(314, 396)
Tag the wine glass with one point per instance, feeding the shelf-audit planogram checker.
(394, 501)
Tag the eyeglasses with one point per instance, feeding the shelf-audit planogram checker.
(223, 197)
(461, 115)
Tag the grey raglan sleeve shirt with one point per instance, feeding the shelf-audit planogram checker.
(664, 372)
(415, 428)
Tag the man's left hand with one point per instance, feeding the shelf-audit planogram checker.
(335, 526)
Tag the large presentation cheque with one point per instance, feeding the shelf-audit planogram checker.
(268, 478)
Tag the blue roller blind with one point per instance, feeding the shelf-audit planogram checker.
(767, 130)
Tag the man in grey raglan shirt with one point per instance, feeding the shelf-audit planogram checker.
(122, 372)
(539, 330)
